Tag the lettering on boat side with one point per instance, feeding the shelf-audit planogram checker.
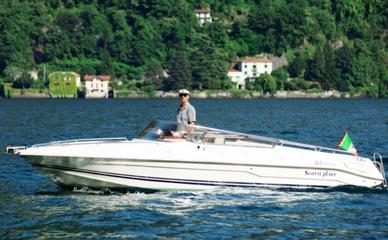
(323, 163)
(320, 173)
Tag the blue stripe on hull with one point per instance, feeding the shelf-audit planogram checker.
(171, 180)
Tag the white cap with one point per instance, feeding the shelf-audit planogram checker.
(184, 91)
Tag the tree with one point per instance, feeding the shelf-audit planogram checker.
(24, 81)
(247, 41)
(356, 66)
(106, 63)
(281, 75)
(282, 24)
(316, 69)
(16, 32)
(261, 20)
(179, 72)
(343, 63)
(298, 66)
(147, 44)
(209, 64)
(268, 83)
(331, 72)
(349, 16)
(63, 37)
(19, 77)
(154, 74)
(320, 23)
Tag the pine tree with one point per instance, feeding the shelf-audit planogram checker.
(179, 72)
(154, 74)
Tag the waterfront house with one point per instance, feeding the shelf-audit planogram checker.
(203, 15)
(248, 69)
(97, 86)
(64, 84)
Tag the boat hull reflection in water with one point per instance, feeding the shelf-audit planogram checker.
(160, 158)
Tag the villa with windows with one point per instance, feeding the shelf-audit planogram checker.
(96, 86)
(248, 69)
(203, 15)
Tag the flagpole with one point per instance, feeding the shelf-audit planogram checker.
(346, 143)
(341, 139)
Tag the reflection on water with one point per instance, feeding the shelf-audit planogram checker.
(33, 207)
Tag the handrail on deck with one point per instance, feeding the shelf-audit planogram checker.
(279, 142)
(312, 147)
(116, 139)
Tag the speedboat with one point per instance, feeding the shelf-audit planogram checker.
(160, 158)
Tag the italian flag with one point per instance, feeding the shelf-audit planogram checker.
(347, 144)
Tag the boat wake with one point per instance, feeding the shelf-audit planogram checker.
(225, 190)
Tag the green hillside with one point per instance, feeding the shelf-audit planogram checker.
(337, 44)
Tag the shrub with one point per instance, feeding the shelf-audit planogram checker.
(268, 83)
(371, 91)
(22, 81)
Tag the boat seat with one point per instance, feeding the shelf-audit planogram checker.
(172, 138)
(219, 140)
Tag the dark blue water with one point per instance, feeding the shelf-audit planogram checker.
(33, 207)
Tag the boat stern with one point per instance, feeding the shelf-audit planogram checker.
(379, 164)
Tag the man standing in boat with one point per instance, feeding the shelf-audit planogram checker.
(186, 112)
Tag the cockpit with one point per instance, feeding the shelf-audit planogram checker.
(168, 131)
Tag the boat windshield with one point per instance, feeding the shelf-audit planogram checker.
(168, 131)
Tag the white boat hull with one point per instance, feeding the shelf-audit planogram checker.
(151, 166)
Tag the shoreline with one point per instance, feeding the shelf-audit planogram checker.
(213, 94)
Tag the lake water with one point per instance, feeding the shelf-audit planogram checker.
(33, 207)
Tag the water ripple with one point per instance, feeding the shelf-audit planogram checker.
(32, 207)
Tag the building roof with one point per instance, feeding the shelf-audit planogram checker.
(104, 77)
(89, 77)
(202, 10)
(101, 77)
(253, 59)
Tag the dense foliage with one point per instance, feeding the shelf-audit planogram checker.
(329, 44)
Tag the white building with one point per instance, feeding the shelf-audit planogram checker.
(96, 86)
(203, 15)
(248, 69)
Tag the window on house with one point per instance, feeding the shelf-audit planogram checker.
(265, 65)
(245, 66)
(245, 73)
(254, 74)
(254, 66)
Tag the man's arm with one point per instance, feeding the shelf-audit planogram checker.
(191, 119)
(191, 115)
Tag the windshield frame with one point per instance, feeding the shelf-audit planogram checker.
(166, 131)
